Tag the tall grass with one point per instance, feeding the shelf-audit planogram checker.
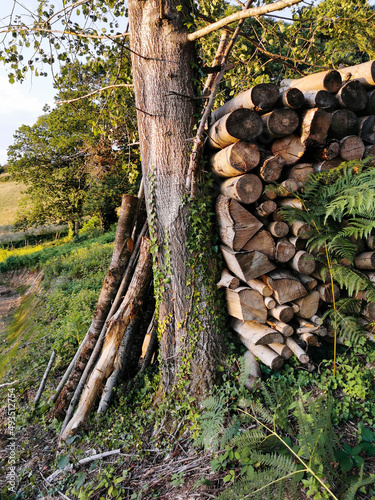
(10, 196)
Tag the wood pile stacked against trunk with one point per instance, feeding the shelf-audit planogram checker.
(265, 135)
(122, 336)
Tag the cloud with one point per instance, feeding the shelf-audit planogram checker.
(17, 98)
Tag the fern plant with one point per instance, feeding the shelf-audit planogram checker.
(340, 206)
(276, 463)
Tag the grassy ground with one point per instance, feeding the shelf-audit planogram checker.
(10, 196)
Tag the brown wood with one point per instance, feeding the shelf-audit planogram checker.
(239, 125)
(298, 243)
(330, 150)
(290, 148)
(281, 327)
(271, 168)
(370, 242)
(370, 155)
(326, 293)
(364, 73)
(285, 285)
(281, 349)
(344, 122)
(282, 313)
(285, 188)
(366, 126)
(315, 126)
(278, 215)
(351, 148)
(309, 338)
(255, 332)
(269, 302)
(365, 260)
(266, 208)
(297, 350)
(300, 173)
(278, 229)
(237, 159)
(227, 280)
(291, 202)
(252, 368)
(262, 242)
(123, 247)
(302, 230)
(246, 265)
(245, 188)
(327, 165)
(370, 108)
(236, 224)
(284, 250)
(278, 123)
(303, 262)
(326, 80)
(262, 97)
(246, 304)
(308, 305)
(292, 98)
(353, 95)
(260, 287)
(320, 99)
(266, 355)
(130, 308)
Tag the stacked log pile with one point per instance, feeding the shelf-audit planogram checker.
(275, 294)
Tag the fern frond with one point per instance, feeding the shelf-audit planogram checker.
(358, 228)
(262, 413)
(211, 422)
(353, 281)
(350, 493)
(230, 432)
(281, 463)
(251, 438)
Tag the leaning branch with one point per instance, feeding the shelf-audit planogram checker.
(95, 92)
(242, 14)
(38, 29)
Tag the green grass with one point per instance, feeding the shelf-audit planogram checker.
(10, 196)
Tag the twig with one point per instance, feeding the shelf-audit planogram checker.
(44, 379)
(6, 384)
(108, 87)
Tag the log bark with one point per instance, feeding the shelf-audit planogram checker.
(236, 224)
(292, 98)
(281, 349)
(327, 294)
(365, 260)
(246, 265)
(246, 304)
(281, 327)
(303, 262)
(252, 368)
(327, 165)
(282, 313)
(302, 230)
(344, 122)
(353, 95)
(269, 302)
(364, 73)
(315, 126)
(260, 287)
(308, 305)
(278, 229)
(366, 126)
(320, 99)
(297, 350)
(266, 355)
(298, 243)
(325, 80)
(351, 148)
(263, 243)
(237, 159)
(256, 333)
(309, 338)
(271, 169)
(44, 379)
(123, 248)
(285, 251)
(291, 202)
(262, 97)
(266, 208)
(239, 125)
(301, 172)
(290, 148)
(130, 308)
(245, 188)
(285, 285)
(330, 150)
(227, 280)
(278, 123)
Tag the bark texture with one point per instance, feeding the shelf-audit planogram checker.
(161, 61)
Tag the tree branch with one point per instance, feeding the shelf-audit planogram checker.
(242, 14)
(68, 101)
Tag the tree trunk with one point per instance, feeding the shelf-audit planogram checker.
(163, 83)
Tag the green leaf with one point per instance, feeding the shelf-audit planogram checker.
(63, 462)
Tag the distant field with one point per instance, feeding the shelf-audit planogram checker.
(10, 195)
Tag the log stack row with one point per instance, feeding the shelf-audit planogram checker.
(267, 135)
